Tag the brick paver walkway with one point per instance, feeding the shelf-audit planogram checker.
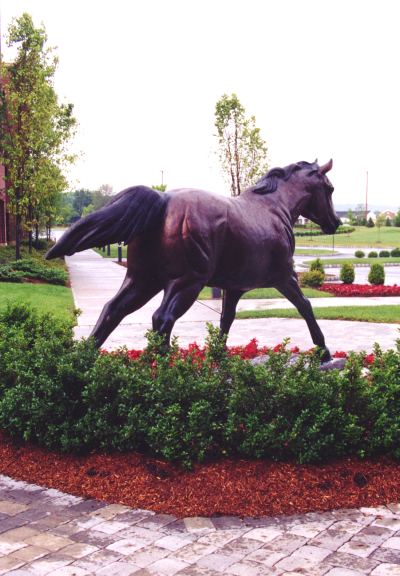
(47, 532)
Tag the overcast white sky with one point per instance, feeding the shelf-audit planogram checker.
(321, 77)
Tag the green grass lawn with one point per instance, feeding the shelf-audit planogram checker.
(362, 236)
(313, 252)
(389, 313)
(340, 261)
(260, 293)
(113, 251)
(57, 300)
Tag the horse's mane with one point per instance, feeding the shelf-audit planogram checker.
(269, 182)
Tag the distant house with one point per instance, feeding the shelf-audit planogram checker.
(388, 214)
(371, 215)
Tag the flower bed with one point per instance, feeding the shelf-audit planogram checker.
(360, 290)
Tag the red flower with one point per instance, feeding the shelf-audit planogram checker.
(360, 290)
(369, 359)
(339, 354)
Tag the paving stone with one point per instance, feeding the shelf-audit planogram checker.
(191, 553)
(287, 543)
(241, 546)
(97, 560)
(11, 508)
(295, 563)
(193, 571)
(263, 534)
(393, 542)
(148, 555)
(343, 572)
(157, 521)
(374, 534)
(227, 522)
(127, 546)
(167, 567)
(262, 522)
(32, 514)
(9, 547)
(313, 553)
(88, 506)
(249, 568)
(386, 570)
(178, 526)
(49, 541)
(18, 572)
(358, 548)
(17, 534)
(110, 511)
(387, 555)
(77, 550)
(118, 569)
(332, 539)
(70, 571)
(265, 556)
(352, 525)
(50, 521)
(48, 565)
(352, 562)
(388, 522)
(29, 553)
(310, 529)
(7, 563)
(142, 533)
(111, 526)
(220, 537)
(394, 508)
(198, 524)
(134, 516)
(173, 542)
(377, 511)
(218, 562)
(93, 537)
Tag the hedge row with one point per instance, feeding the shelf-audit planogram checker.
(32, 269)
(67, 396)
(340, 230)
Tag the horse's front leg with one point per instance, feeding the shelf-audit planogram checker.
(291, 290)
(229, 303)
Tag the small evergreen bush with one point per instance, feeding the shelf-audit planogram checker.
(347, 273)
(376, 274)
(32, 268)
(395, 253)
(317, 265)
(312, 279)
(373, 254)
(384, 254)
(359, 254)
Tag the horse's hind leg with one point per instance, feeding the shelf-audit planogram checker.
(230, 301)
(130, 297)
(292, 292)
(179, 295)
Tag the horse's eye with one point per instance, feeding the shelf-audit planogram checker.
(312, 173)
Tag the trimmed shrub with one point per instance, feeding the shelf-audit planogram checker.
(395, 253)
(373, 254)
(376, 274)
(68, 396)
(384, 254)
(347, 273)
(32, 268)
(312, 279)
(359, 254)
(317, 265)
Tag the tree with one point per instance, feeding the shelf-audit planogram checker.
(241, 149)
(34, 127)
(397, 219)
(159, 187)
(352, 217)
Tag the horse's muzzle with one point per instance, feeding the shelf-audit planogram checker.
(331, 227)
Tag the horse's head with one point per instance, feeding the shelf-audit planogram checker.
(319, 207)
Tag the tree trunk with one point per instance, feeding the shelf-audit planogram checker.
(18, 222)
(36, 236)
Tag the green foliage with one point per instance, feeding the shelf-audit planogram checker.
(317, 265)
(370, 223)
(30, 268)
(34, 129)
(373, 254)
(384, 254)
(395, 253)
(67, 396)
(359, 254)
(312, 279)
(241, 149)
(397, 219)
(347, 273)
(318, 232)
(376, 274)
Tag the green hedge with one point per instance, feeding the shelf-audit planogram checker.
(32, 269)
(313, 232)
(67, 396)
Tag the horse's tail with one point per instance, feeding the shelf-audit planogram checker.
(130, 213)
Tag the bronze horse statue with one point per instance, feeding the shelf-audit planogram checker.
(183, 240)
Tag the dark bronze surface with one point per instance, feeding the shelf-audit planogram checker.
(186, 239)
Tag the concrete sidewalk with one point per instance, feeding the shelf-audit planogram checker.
(95, 280)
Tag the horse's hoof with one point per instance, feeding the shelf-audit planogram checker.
(325, 356)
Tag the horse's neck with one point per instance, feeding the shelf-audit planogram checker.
(293, 199)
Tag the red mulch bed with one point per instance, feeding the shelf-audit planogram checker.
(228, 487)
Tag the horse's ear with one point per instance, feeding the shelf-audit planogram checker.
(326, 167)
